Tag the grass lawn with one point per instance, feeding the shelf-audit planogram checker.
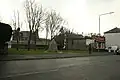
(75, 51)
(25, 51)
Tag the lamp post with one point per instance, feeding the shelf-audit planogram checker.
(99, 26)
(99, 19)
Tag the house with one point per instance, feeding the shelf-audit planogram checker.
(71, 41)
(112, 37)
(75, 41)
(99, 43)
(89, 41)
(24, 37)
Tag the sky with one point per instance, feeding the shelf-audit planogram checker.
(82, 15)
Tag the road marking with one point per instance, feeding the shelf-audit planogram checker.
(31, 73)
(52, 70)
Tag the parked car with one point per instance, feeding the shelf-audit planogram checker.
(118, 52)
(114, 49)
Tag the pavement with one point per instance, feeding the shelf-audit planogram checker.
(51, 56)
(80, 68)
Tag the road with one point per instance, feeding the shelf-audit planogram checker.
(82, 68)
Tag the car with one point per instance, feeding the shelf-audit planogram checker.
(114, 49)
(118, 52)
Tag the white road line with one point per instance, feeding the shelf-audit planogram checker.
(31, 73)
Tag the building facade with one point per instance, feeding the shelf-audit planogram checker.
(99, 43)
(71, 41)
(24, 37)
(112, 37)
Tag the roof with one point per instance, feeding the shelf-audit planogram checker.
(44, 39)
(74, 36)
(25, 31)
(61, 37)
(114, 30)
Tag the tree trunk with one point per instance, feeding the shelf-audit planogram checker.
(17, 43)
(17, 37)
(51, 36)
(46, 41)
(46, 38)
(35, 42)
(29, 40)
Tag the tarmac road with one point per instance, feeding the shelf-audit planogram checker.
(81, 68)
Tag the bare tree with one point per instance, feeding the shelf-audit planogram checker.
(40, 18)
(30, 18)
(35, 17)
(47, 23)
(17, 25)
(53, 23)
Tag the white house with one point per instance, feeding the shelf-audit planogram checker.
(89, 41)
(112, 37)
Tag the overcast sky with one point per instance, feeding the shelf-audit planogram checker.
(82, 15)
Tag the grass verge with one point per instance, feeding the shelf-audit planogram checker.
(26, 52)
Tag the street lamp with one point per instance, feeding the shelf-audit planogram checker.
(102, 15)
